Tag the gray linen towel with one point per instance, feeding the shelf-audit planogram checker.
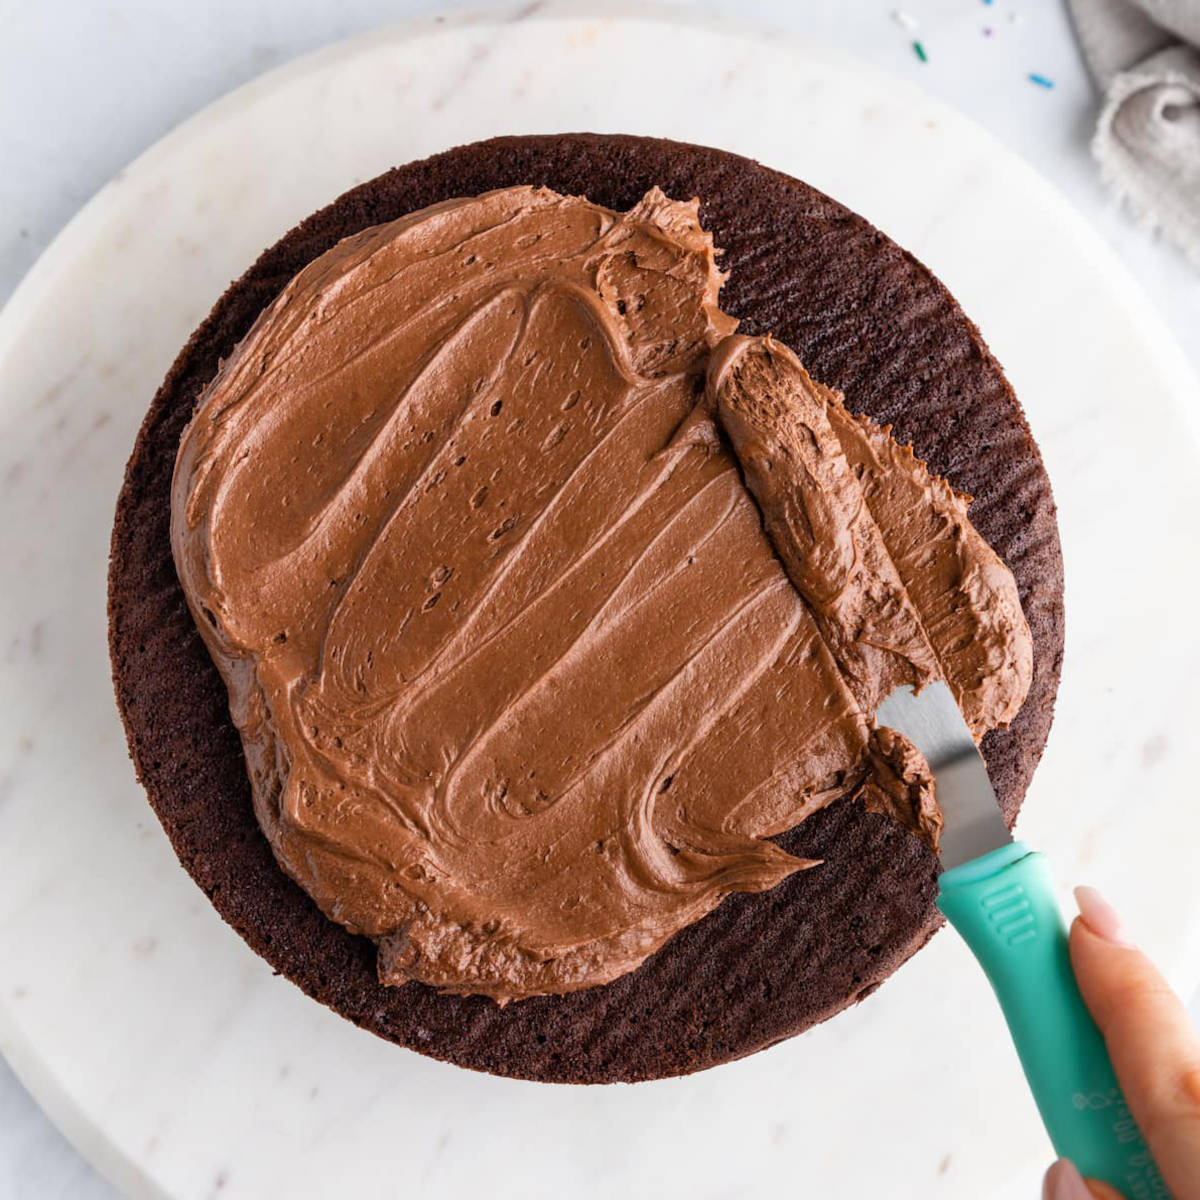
(1145, 58)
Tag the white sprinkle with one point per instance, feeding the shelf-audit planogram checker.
(905, 20)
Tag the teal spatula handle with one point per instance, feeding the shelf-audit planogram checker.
(1003, 905)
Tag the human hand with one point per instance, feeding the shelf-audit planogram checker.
(1154, 1048)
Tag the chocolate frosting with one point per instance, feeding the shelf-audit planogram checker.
(902, 587)
(526, 675)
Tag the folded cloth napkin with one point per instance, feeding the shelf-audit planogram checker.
(1145, 58)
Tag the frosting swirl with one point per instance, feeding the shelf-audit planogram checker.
(526, 675)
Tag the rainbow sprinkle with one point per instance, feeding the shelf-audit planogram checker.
(1040, 80)
(919, 50)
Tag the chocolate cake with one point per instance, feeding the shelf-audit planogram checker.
(720, 849)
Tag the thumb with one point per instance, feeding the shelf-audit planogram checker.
(1063, 1182)
(1155, 1051)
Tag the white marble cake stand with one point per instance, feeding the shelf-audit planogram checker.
(165, 1049)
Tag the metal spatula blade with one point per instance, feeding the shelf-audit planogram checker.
(933, 723)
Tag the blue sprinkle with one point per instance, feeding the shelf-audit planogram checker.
(988, 2)
(1040, 80)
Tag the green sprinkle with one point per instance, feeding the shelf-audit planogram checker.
(920, 52)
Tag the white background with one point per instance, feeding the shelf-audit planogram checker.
(86, 86)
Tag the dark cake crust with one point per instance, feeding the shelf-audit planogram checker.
(865, 317)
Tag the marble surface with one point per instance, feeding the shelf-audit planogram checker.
(110, 77)
(210, 1076)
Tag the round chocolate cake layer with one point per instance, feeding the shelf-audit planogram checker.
(865, 317)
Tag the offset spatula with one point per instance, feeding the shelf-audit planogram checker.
(998, 894)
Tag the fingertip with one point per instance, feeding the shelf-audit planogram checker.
(1063, 1182)
(1100, 917)
(1084, 939)
(1092, 956)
